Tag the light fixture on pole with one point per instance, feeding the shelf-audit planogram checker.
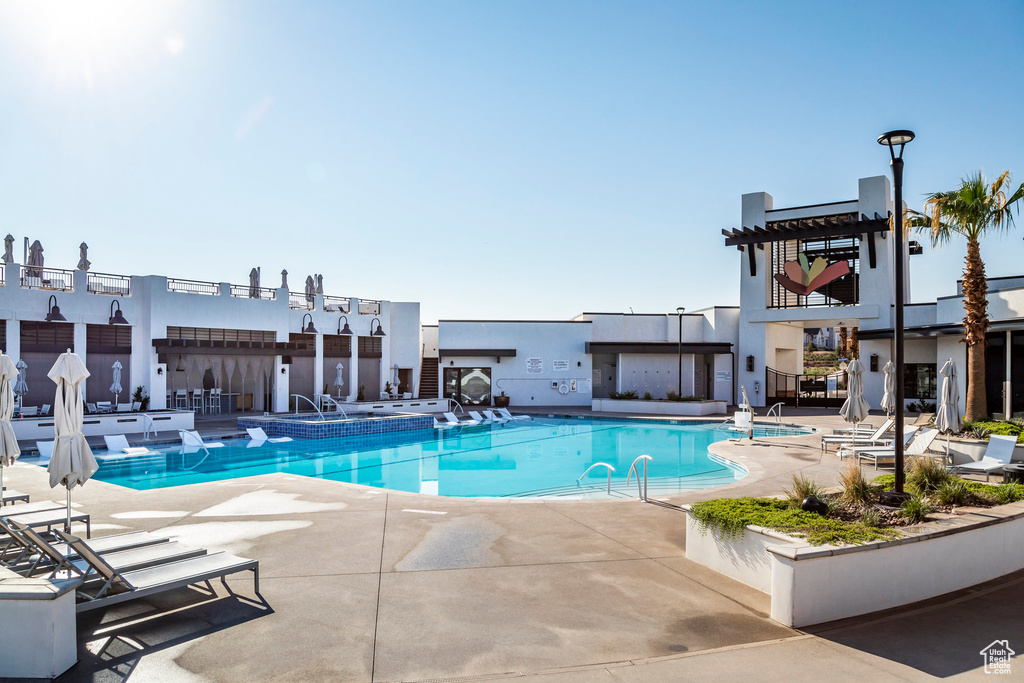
(308, 329)
(379, 332)
(679, 347)
(344, 330)
(116, 318)
(53, 311)
(892, 139)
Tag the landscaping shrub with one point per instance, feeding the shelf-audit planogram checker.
(647, 396)
(871, 518)
(925, 475)
(984, 428)
(856, 489)
(624, 395)
(953, 492)
(803, 487)
(673, 396)
(1010, 492)
(916, 509)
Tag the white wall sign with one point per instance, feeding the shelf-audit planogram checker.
(832, 383)
(560, 365)
(723, 376)
(534, 366)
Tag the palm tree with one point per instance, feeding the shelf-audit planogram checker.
(972, 210)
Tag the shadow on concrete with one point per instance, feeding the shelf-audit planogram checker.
(943, 636)
(112, 642)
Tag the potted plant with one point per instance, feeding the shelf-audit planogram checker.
(501, 400)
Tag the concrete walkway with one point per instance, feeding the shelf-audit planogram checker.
(362, 584)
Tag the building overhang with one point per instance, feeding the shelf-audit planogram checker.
(817, 227)
(477, 353)
(230, 348)
(700, 348)
(928, 331)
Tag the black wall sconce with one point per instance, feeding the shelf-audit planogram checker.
(116, 318)
(308, 329)
(159, 371)
(750, 363)
(874, 362)
(284, 371)
(379, 332)
(344, 330)
(451, 363)
(53, 311)
(579, 364)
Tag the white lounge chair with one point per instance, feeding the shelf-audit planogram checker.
(509, 416)
(191, 439)
(452, 419)
(997, 455)
(918, 446)
(29, 411)
(118, 443)
(259, 436)
(478, 417)
(489, 414)
(874, 439)
(45, 410)
(124, 407)
(855, 450)
(45, 449)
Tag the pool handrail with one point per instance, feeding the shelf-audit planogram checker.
(457, 405)
(778, 414)
(599, 464)
(330, 401)
(632, 469)
(310, 402)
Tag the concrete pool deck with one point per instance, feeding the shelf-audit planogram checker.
(364, 584)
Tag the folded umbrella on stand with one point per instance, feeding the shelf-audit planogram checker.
(9, 450)
(72, 462)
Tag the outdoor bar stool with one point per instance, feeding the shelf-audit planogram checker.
(197, 400)
(181, 399)
(213, 401)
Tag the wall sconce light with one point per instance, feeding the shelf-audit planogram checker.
(159, 371)
(379, 332)
(451, 363)
(53, 311)
(284, 371)
(309, 329)
(344, 330)
(750, 363)
(874, 362)
(116, 318)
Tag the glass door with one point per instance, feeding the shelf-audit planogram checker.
(468, 386)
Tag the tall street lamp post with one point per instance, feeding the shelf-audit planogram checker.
(679, 346)
(892, 139)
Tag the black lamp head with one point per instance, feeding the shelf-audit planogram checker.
(116, 317)
(308, 329)
(53, 314)
(379, 332)
(344, 330)
(894, 138)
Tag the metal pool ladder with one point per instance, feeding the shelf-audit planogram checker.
(778, 413)
(599, 464)
(632, 468)
(310, 402)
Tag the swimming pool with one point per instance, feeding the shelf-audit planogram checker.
(536, 458)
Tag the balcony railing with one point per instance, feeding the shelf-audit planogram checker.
(299, 302)
(193, 287)
(34, 277)
(3, 276)
(104, 283)
(337, 304)
(247, 292)
(369, 307)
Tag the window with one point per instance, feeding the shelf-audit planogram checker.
(337, 345)
(469, 386)
(108, 338)
(47, 337)
(370, 347)
(919, 381)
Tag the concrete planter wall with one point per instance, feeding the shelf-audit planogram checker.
(687, 408)
(164, 422)
(814, 584)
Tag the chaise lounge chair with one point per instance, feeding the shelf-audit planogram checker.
(121, 586)
(452, 420)
(48, 519)
(918, 446)
(106, 544)
(118, 443)
(259, 436)
(478, 417)
(909, 432)
(489, 414)
(192, 440)
(997, 455)
(876, 438)
(509, 416)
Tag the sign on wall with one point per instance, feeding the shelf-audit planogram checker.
(572, 385)
(560, 365)
(832, 384)
(723, 376)
(534, 366)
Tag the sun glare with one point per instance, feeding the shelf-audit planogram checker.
(87, 42)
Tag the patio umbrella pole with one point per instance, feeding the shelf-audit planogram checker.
(67, 524)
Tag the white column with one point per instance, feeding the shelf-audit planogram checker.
(318, 365)
(1007, 383)
(281, 385)
(353, 368)
(80, 349)
(12, 346)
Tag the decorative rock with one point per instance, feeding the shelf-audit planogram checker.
(812, 504)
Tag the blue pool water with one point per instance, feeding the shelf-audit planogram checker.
(540, 457)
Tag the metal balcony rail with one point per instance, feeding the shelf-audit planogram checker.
(337, 304)
(34, 277)
(369, 307)
(193, 287)
(247, 292)
(105, 283)
(3, 277)
(299, 302)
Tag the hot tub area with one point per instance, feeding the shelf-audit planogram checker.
(312, 426)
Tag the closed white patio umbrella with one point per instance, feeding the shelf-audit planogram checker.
(9, 450)
(72, 462)
(855, 409)
(395, 381)
(115, 386)
(889, 396)
(339, 379)
(947, 417)
(21, 384)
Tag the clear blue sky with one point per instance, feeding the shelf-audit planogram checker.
(490, 160)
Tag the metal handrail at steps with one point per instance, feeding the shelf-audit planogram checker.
(599, 464)
(632, 469)
(310, 402)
